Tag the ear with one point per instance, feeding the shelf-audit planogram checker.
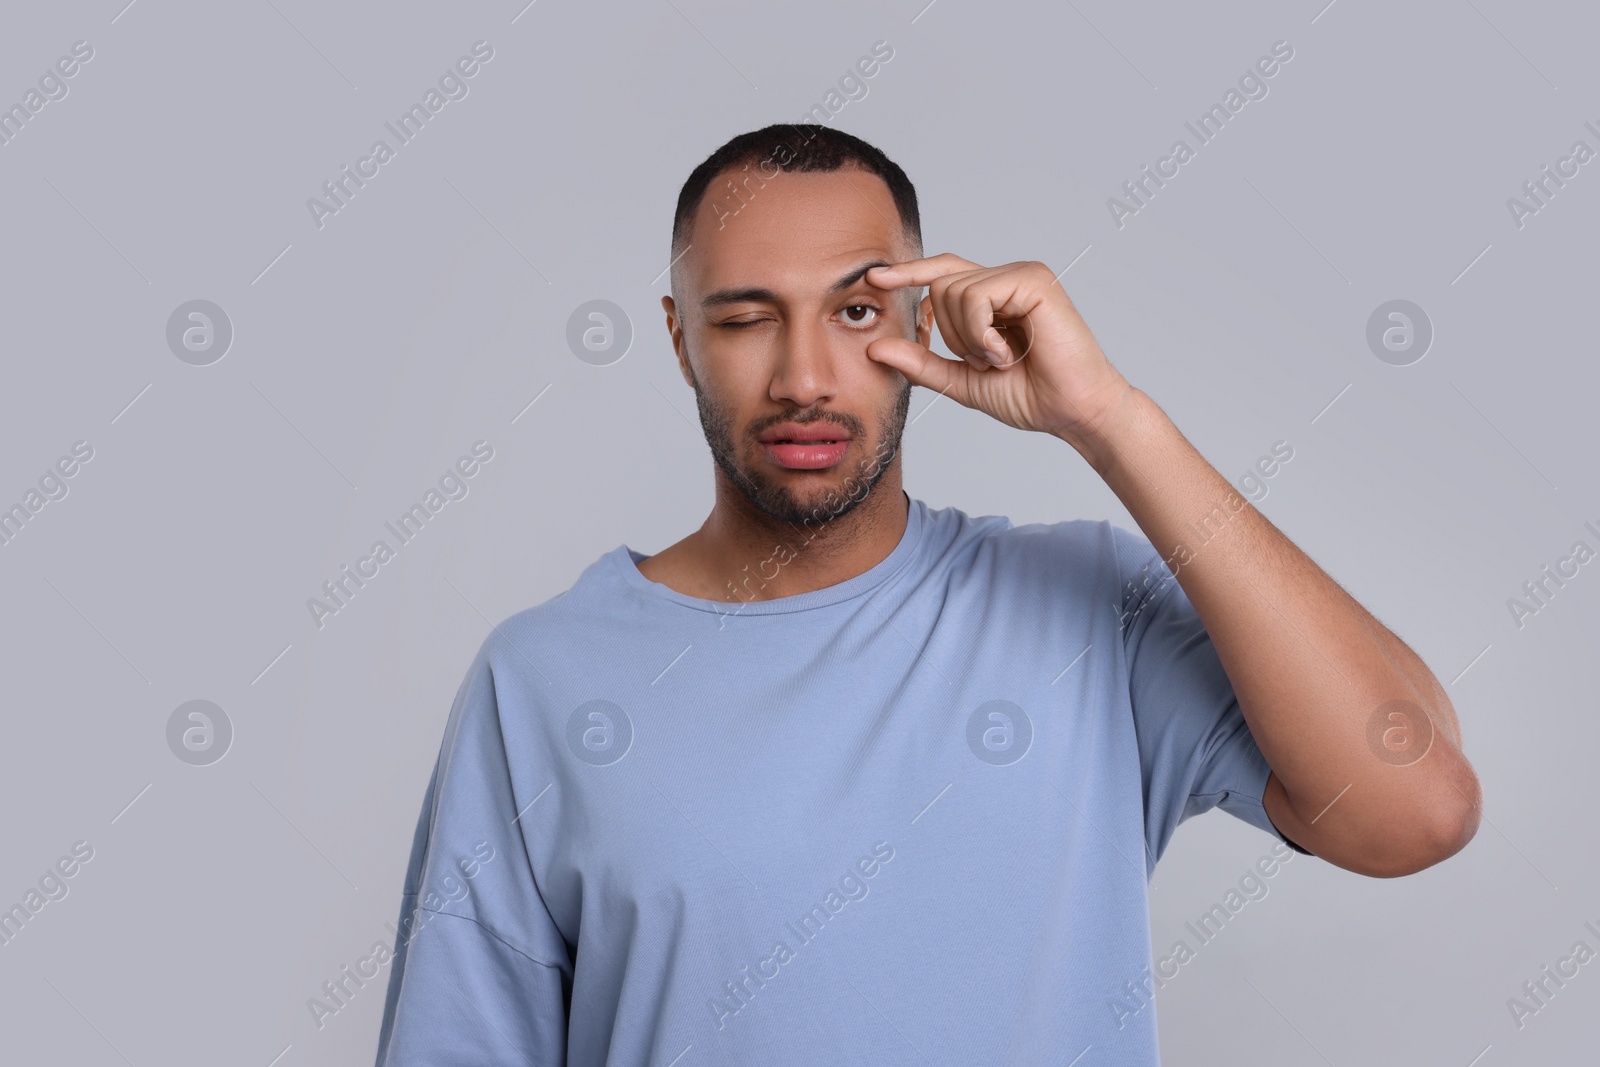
(925, 322)
(675, 331)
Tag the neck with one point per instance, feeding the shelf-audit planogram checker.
(747, 554)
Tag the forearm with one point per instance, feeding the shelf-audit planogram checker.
(1312, 669)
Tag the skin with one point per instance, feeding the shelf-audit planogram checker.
(803, 358)
(1315, 674)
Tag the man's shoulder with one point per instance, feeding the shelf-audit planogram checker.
(559, 616)
(1074, 559)
(1076, 541)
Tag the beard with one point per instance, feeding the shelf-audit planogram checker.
(777, 498)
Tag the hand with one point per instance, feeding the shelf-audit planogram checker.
(1029, 358)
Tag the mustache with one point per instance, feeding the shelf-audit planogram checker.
(849, 424)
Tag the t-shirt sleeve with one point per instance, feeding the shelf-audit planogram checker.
(1196, 751)
(480, 973)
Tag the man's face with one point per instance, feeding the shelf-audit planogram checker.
(775, 318)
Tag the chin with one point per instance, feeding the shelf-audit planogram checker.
(829, 494)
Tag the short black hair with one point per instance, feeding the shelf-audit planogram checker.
(802, 146)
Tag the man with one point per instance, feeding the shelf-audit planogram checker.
(840, 778)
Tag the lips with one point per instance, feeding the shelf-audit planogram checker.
(790, 433)
(806, 456)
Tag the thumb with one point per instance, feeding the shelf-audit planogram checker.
(951, 377)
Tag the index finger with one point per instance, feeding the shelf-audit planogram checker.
(919, 271)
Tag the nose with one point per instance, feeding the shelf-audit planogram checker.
(807, 360)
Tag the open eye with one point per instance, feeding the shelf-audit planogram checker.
(851, 310)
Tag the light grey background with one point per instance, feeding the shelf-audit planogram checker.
(429, 312)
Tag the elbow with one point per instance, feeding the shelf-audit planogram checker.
(1455, 821)
(1442, 825)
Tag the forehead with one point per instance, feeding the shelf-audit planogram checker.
(799, 229)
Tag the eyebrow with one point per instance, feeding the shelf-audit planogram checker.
(755, 294)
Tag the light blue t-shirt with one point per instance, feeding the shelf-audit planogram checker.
(909, 818)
